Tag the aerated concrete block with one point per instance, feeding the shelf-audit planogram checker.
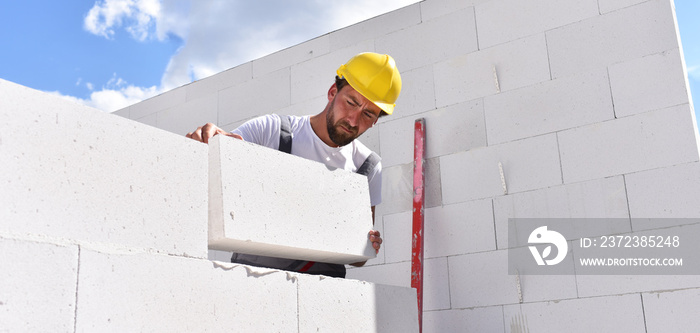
(486, 319)
(157, 103)
(673, 311)
(598, 314)
(38, 289)
(489, 71)
(248, 98)
(649, 83)
(184, 118)
(375, 27)
(449, 230)
(435, 44)
(290, 56)
(547, 107)
(312, 78)
(527, 164)
(158, 293)
(672, 192)
(436, 292)
(265, 202)
(417, 92)
(77, 174)
(435, 8)
(216, 82)
(337, 305)
(481, 279)
(641, 142)
(621, 35)
(599, 198)
(502, 21)
(601, 285)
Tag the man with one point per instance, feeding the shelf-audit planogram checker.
(366, 88)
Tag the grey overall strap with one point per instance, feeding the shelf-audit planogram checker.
(369, 164)
(285, 135)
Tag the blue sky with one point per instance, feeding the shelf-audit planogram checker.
(112, 53)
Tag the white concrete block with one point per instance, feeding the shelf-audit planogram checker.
(417, 93)
(397, 187)
(91, 177)
(481, 279)
(128, 293)
(601, 285)
(487, 319)
(186, 117)
(646, 141)
(150, 120)
(455, 128)
(527, 165)
(503, 21)
(312, 79)
(672, 192)
(396, 139)
(39, 280)
(671, 311)
(547, 107)
(435, 8)
(393, 274)
(436, 293)
(607, 6)
(449, 230)
(375, 27)
(290, 56)
(336, 305)
(649, 83)
(431, 41)
(228, 78)
(265, 202)
(261, 95)
(598, 314)
(537, 288)
(625, 34)
(501, 68)
(157, 103)
(599, 198)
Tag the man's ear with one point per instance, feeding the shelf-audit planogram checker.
(332, 91)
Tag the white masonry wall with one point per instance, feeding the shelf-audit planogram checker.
(103, 228)
(584, 103)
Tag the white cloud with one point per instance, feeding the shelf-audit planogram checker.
(117, 94)
(218, 35)
(107, 15)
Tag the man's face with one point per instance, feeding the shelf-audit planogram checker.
(350, 115)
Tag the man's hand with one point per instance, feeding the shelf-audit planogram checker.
(204, 133)
(375, 239)
(376, 244)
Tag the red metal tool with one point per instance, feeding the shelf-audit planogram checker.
(418, 204)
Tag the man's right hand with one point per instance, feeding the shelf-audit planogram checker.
(204, 133)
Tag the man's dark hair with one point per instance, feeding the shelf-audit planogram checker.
(341, 82)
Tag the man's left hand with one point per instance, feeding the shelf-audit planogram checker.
(375, 239)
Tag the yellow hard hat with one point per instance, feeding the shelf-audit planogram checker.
(374, 76)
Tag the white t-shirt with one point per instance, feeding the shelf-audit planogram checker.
(265, 131)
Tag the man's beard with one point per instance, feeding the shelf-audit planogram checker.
(338, 135)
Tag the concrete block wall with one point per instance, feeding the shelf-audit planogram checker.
(103, 227)
(585, 105)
